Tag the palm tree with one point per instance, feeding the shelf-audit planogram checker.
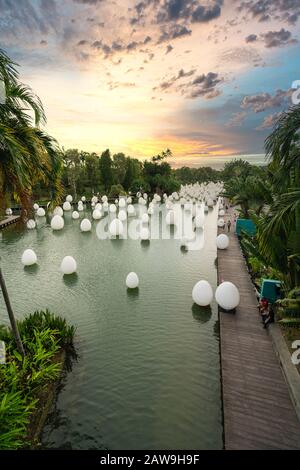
(27, 153)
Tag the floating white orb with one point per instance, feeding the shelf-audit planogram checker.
(69, 198)
(68, 265)
(31, 224)
(122, 215)
(85, 225)
(116, 227)
(112, 208)
(145, 218)
(96, 214)
(145, 233)
(67, 206)
(29, 257)
(222, 241)
(41, 212)
(199, 221)
(221, 223)
(132, 280)
(36, 206)
(227, 296)
(58, 211)
(202, 293)
(130, 210)
(57, 222)
(75, 215)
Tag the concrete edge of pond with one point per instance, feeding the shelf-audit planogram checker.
(290, 372)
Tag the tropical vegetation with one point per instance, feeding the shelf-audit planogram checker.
(24, 382)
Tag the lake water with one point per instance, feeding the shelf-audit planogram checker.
(148, 372)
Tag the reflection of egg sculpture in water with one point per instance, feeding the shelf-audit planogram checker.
(57, 223)
(66, 206)
(31, 224)
(68, 265)
(116, 228)
(29, 257)
(171, 218)
(132, 280)
(85, 225)
(227, 296)
(75, 215)
(222, 241)
(199, 221)
(202, 293)
(41, 212)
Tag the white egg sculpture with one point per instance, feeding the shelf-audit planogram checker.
(221, 213)
(83, 199)
(105, 206)
(122, 215)
(80, 207)
(41, 212)
(58, 211)
(221, 223)
(112, 208)
(171, 218)
(75, 215)
(94, 199)
(57, 222)
(130, 210)
(104, 198)
(145, 196)
(205, 209)
(31, 224)
(145, 218)
(29, 257)
(227, 296)
(144, 233)
(202, 293)
(36, 206)
(222, 241)
(96, 214)
(68, 265)
(132, 280)
(129, 200)
(69, 198)
(98, 206)
(150, 211)
(85, 225)
(67, 206)
(122, 203)
(210, 202)
(8, 211)
(199, 221)
(116, 228)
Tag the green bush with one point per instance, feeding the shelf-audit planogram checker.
(22, 379)
(117, 190)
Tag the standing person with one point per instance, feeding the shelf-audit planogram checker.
(229, 225)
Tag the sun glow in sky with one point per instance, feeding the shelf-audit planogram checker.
(202, 77)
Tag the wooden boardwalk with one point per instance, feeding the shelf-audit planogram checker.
(258, 411)
(12, 219)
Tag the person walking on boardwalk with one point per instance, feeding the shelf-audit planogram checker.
(229, 225)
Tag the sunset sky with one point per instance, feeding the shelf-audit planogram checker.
(202, 77)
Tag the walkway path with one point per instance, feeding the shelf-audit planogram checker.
(258, 412)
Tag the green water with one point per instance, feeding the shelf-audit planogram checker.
(148, 372)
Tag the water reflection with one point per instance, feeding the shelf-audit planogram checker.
(133, 293)
(201, 314)
(34, 269)
(70, 280)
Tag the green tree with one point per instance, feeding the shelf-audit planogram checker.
(106, 169)
(27, 154)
